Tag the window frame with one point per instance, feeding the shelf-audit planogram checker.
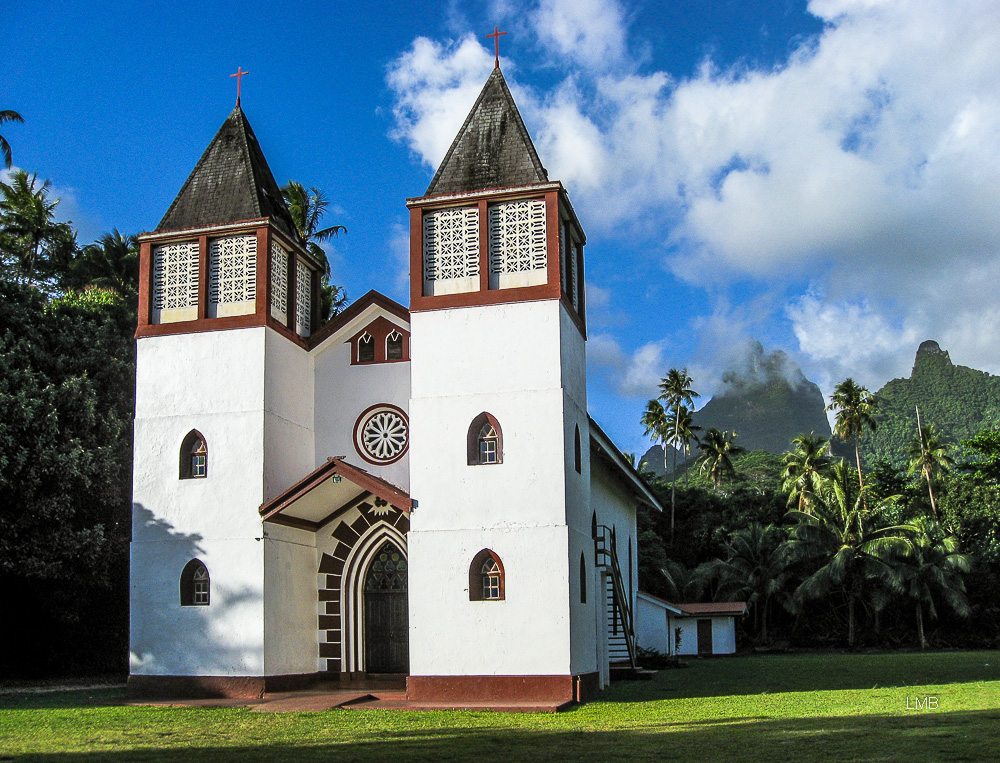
(475, 440)
(480, 579)
(193, 586)
(189, 451)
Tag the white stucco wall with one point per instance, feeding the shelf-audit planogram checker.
(288, 415)
(503, 359)
(343, 392)
(525, 634)
(212, 382)
(290, 626)
(652, 625)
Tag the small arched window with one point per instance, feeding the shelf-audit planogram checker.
(394, 346)
(577, 455)
(366, 349)
(195, 585)
(583, 579)
(486, 577)
(485, 440)
(593, 526)
(194, 456)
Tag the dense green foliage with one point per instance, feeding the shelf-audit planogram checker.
(66, 400)
(958, 401)
(809, 708)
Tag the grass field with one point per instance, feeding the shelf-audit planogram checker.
(845, 707)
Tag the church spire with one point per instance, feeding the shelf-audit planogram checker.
(230, 183)
(493, 148)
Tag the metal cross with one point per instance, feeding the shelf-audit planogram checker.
(239, 81)
(496, 44)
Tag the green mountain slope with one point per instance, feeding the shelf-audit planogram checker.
(957, 400)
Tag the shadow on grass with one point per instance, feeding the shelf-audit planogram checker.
(63, 699)
(777, 673)
(917, 738)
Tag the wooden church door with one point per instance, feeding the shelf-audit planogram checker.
(386, 622)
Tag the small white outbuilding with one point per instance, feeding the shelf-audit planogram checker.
(686, 629)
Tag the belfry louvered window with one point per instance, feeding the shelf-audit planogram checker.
(517, 244)
(279, 281)
(175, 282)
(303, 299)
(232, 275)
(451, 250)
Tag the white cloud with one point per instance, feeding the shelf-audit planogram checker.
(865, 164)
(591, 33)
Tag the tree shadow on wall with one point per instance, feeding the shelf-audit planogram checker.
(166, 637)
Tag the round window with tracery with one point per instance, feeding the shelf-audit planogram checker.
(382, 434)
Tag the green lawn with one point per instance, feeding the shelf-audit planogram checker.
(855, 707)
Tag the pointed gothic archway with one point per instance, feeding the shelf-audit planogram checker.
(386, 625)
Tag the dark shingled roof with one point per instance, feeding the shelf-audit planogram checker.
(493, 148)
(230, 183)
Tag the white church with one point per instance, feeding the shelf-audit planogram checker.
(414, 491)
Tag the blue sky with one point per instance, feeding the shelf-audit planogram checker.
(819, 176)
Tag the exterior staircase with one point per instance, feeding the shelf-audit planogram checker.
(618, 602)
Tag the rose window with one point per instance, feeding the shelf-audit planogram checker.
(381, 434)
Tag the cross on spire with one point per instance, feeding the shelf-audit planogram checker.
(239, 81)
(496, 44)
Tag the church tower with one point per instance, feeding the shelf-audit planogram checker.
(501, 548)
(228, 292)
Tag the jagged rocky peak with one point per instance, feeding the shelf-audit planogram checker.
(928, 350)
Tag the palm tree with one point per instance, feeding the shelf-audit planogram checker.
(7, 115)
(935, 567)
(755, 570)
(853, 548)
(854, 406)
(26, 218)
(717, 450)
(657, 426)
(307, 207)
(675, 389)
(682, 432)
(111, 262)
(929, 456)
(805, 466)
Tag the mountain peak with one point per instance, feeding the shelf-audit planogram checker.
(930, 350)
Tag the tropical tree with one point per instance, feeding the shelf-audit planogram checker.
(6, 115)
(804, 468)
(755, 570)
(30, 232)
(857, 553)
(717, 450)
(986, 446)
(111, 262)
(854, 406)
(682, 432)
(307, 207)
(934, 570)
(675, 389)
(929, 457)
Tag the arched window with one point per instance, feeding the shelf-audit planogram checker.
(485, 440)
(366, 349)
(583, 579)
(195, 585)
(194, 456)
(593, 526)
(394, 346)
(486, 578)
(577, 456)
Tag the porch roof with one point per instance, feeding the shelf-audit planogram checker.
(328, 491)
